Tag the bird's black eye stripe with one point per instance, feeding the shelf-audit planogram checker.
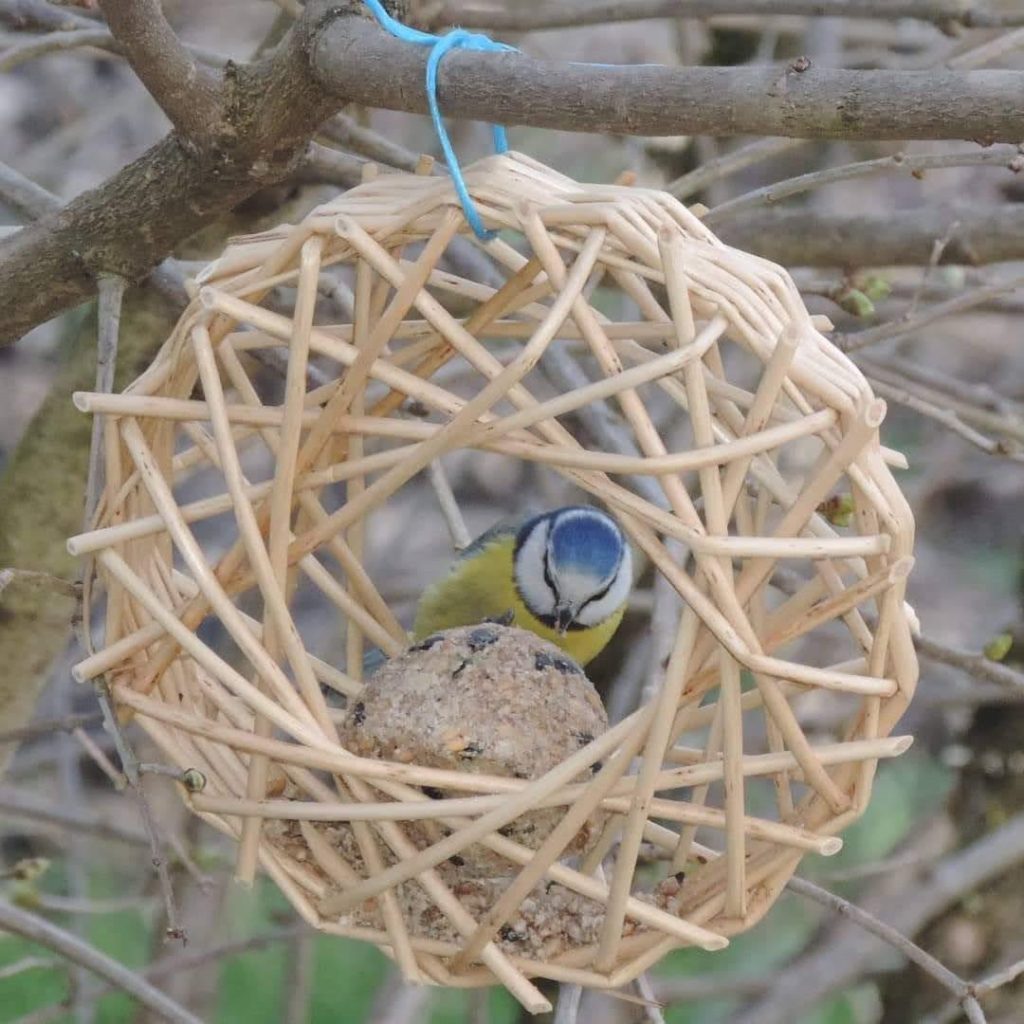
(601, 593)
(548, 578)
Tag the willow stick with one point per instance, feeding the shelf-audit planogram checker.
(212, 663)
(735, 805)
(553, 846)
(335, 760)
(373, 614)
(760, 411)
(450, 435)
(481, 827)
(673, 462)
(351, 396)
(274, 597)
(211, 588)
(713, 747)
(657, 741)
(860, 432)
(274, 630)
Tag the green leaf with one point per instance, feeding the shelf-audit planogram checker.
(875, 287)
(998, 647)
(854, 301)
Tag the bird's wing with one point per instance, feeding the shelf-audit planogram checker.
(502, 528)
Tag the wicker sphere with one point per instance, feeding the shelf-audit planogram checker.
(738, 449)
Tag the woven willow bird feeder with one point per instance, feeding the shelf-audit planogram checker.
(793, 611)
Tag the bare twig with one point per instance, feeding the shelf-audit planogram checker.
(359, 139)
(46, 726)
(38, 16)
(28, 198)
(55, 42)
(187, 93)
(324, 165)
(649, 999)
(799, 237)
(997, 156)
(966, 409)
(22, 805)
(453, 517)
(99, 757)
(893, 937)
(977, 404)
(568, 1007)
(976, 665)
(88, 35)
(833, 963)
(730, 163)
(130, 767)
(940, 413)
(952, 1011)
(904, 326)
(298, 979)
(30, 963)
(881, 867)
(111, 295)
(66, 905)
(40, 580)
(44, 933)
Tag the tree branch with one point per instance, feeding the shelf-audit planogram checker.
(130, 222)
(125, 226)
(511, 88)
(812, 238)
(911, 950)
(906, 901)
(1005, 157)
(594, 12)
(36, 929)
(187, 94)
(40, 16)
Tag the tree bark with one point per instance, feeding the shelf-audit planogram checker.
(41, 497)
(805, 237)
(350, 55)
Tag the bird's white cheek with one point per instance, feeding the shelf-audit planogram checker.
(597, 611)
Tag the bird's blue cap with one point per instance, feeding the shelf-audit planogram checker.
(586, 540)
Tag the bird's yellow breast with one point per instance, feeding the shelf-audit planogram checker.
(482, 586)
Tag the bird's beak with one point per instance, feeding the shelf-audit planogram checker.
(564, 616)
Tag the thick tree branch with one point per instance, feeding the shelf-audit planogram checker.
(350, 57)
(802, 237)
(129, 223)
(492, 15)
(187, 94)
(272, 108)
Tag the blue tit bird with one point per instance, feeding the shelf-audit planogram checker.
(564, 575)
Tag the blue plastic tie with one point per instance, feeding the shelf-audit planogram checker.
(458, 39)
